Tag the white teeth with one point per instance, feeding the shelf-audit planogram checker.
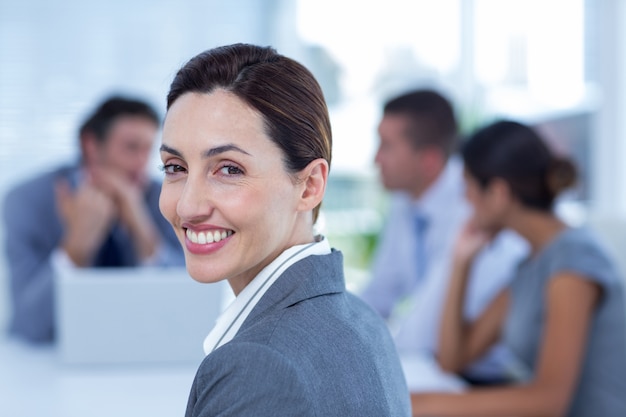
(203, 238)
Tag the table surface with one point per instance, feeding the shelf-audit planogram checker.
(34, 382)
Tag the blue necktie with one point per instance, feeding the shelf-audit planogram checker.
(421, 224)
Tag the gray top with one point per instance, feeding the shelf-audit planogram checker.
(601, 389)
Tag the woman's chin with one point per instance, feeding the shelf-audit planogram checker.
(201, 275)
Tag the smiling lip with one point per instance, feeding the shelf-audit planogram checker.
(202, 242)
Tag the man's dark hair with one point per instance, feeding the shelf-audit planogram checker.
(100, 121)
(432, 119)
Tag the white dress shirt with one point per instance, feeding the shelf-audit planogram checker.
(229, 322)
(394, 268)
(413, 306)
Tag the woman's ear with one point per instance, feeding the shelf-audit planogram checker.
(314, 179)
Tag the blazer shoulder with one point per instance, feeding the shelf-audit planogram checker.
(271, 383)
(34, 193)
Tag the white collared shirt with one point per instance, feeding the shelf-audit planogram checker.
(229, 322)
(394, 268)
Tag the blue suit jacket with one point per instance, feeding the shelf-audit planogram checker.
(33, 232)
(308, 348)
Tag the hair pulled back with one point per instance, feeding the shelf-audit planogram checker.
(517, 154)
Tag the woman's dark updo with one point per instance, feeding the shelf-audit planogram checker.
(562, 174)
(517, 154)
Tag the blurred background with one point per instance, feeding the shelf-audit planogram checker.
(557, 64)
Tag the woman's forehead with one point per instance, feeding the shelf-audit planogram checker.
(219, 113)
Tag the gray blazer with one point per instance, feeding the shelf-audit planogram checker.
(308, 348)
(33, 231)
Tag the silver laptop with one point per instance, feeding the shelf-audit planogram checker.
(134, 315)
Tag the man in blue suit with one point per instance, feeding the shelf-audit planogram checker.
(100, 212)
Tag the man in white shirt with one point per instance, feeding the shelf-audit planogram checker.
(418, 138)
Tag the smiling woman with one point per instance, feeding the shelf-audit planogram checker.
(246, 153)
(226, 177)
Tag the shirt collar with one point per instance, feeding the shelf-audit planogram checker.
(229, 322)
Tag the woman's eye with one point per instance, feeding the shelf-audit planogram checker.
(172, 169)
(230, 170)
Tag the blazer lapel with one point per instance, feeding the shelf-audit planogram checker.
(310, 277)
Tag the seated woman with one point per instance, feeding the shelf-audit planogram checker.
(563, 315)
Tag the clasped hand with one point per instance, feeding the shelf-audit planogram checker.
(470, 241)
(89, 211)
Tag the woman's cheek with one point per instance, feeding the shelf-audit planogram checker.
(167, 201)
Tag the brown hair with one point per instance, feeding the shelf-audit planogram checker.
(281, 89)
(431, 117)
(113, 108)
(515, 153)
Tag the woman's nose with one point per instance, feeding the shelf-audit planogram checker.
(194, 202)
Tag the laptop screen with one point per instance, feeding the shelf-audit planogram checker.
(134, 315)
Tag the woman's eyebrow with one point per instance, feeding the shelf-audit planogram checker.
(208, 153)
(221, 149)
(165, 148)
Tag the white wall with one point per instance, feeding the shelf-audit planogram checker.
(609, 141)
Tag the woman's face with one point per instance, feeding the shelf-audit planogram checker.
(490, 203)
(225, 191)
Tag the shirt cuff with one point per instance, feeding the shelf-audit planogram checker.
(61, 260)
(156, 259)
